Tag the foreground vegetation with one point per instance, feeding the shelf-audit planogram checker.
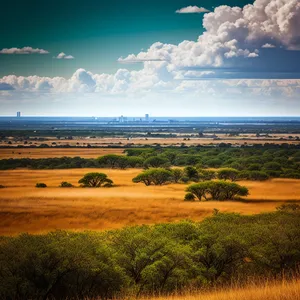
(150, 259)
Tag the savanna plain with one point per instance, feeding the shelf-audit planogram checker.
(25, 208)
(133, 240)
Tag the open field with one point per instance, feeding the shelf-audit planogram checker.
(57, 152)
(187, 139)
(24, 208)
(269, 291)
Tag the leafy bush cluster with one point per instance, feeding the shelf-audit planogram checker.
(158, 176)
(41, 185)
(149, 259)
(252, 163)
(48, 163)
(216, 190)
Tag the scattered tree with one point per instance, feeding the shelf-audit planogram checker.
(157, 176)
(217, 190)
(95, 180)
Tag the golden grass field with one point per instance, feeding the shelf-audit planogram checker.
(24, 208)
(148, 140)
(268, 291)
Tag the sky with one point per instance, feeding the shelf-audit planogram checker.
(165, 58)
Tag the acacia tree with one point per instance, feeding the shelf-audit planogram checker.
(217, 190)
(157, 176)
(95, 180)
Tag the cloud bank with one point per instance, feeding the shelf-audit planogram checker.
(24, 50)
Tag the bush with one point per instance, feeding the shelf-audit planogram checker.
(289, 207)
(41, 185)
(162, 259)
(2, 186)
(189, 197)
(95, 180)
(65, 184)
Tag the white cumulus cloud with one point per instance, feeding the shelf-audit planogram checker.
(63, 55)
(231, 33)
(192, 10)
(268, 45)
(24, 50)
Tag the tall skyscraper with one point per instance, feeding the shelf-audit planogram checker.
(147, 117)
(18, 114)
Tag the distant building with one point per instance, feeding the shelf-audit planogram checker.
(18, 114)
(147, 117)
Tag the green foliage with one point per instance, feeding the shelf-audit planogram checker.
(228, 174)
(157, 176)
(119, 161)
(276, 161)
(65, 184)
(253, 175)
(95, 180)
(189, 197)
(289, 207)
(143, 260)
(205, 175)
(191, 173)
(177, 174)
(217, 190)
(156, 162)
(41, 185)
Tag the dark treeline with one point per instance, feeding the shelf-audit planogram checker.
(253, 163)
(156, 259)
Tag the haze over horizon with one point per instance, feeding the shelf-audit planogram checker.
(187, 58)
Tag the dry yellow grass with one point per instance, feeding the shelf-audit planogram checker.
(56, 152)
(269, 291)
(24, 208)
(167, 141)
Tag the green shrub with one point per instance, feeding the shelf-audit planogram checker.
(65, 184)
(189, 197)
(41, 185)
(289, 207)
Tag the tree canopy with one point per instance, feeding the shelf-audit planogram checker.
(95, 180)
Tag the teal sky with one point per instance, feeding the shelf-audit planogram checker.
(240, 59)
(95, 32)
